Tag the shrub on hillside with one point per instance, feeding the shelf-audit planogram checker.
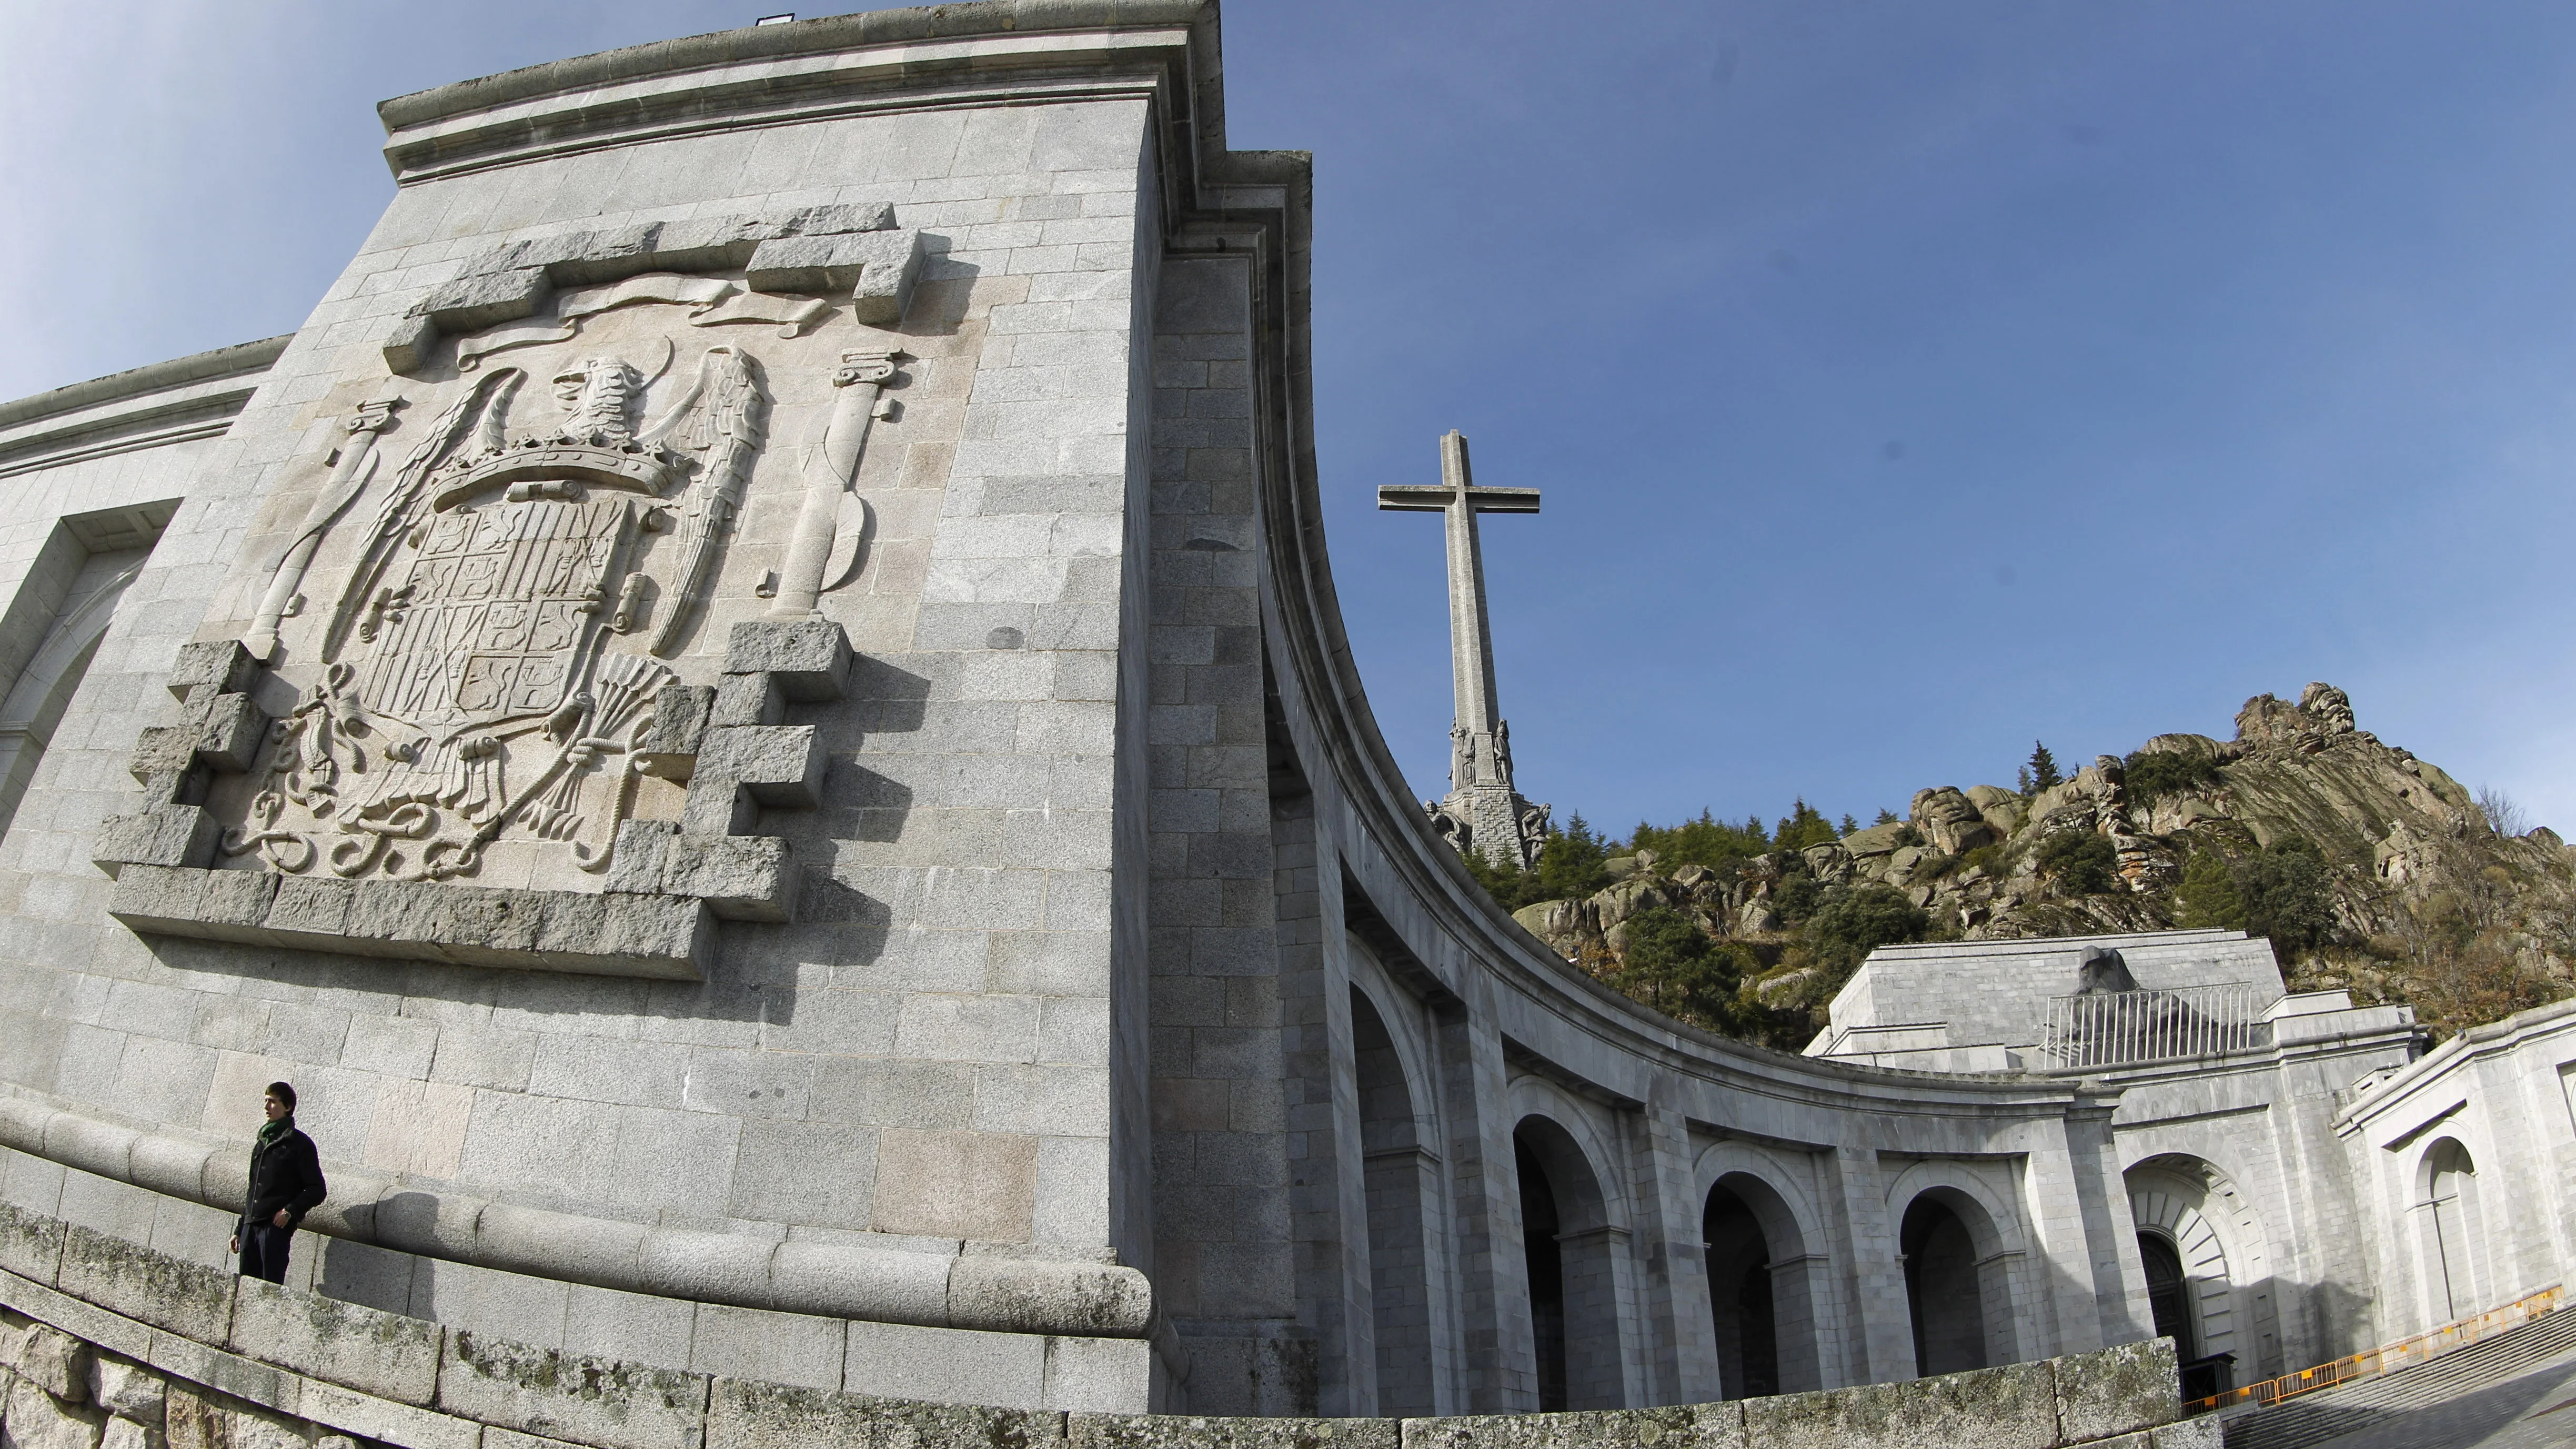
(2207, 896)
(2149, 777)
(1673, 966)
(2286, 897)
(1852, 921)
(2078, 863)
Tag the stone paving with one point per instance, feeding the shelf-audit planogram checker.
(2533, 1409)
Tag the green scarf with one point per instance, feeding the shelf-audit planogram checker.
(270, 1132)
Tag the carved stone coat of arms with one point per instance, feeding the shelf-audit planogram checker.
(473, 666)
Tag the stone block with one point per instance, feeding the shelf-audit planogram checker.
(37, 1421)
(156, 897)
(311, 905)
(2117, 1391)
(611, 1403)
(947, 1365)
(123, 1433)
(669, 749)
(878, 269)
(741, 877)
(374, 1352)
(194, 1421)
(31, 1244)
(186, 1298)
(635, 866)
(782, 1348)
(808, 659)
(410, 346)
(479, 926)
(494, 1438)
(2208, 1431)
(2014, 1407)
(162, 753)
(227, 731)
(55, 1362)
(780, 765)
(1172, 1431)
(221, 666)
(170, 835)
(127, 1390)
(232, 905)
(1688, 1426)
(472, 303)
(749, 699)
(748, 1414)
(665, 937)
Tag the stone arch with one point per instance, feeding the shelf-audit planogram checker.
(1766, 1276)
(2449, 1227)
(1962, 1251)
(1571, 1238)
(1400, 1182)
(43, 689)
(2221, 1255)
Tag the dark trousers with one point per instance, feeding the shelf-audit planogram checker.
(263, 1253)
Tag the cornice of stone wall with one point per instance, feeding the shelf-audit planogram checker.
(150, 406)
(946, 55)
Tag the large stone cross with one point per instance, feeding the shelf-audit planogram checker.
(1483, 813)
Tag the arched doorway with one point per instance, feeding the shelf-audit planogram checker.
(2222, 1252)
(2450, 1212)
(2169, 1294)
(1943, 1287)
(1398, 1177)
(1740, 1296)
(1567, 1237)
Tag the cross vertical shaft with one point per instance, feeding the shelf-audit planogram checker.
(1471, 644)
(1482, 813)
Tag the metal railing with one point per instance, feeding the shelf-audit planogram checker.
(2388, 1358)
(2117, 1028)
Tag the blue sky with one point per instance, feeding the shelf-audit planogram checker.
(1907, 382)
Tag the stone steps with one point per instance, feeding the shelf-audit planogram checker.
(2328, 1414)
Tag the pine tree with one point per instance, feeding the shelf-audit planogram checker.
(2042, 770)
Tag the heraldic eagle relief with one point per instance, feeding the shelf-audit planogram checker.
(490, 645)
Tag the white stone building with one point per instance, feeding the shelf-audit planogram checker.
(753, 709)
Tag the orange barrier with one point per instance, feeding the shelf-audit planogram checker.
(2405, 1353)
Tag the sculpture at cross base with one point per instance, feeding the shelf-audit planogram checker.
(1483, 813)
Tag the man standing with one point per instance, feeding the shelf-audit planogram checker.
(285, 1184)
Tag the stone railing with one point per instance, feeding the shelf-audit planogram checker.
(120, 1346)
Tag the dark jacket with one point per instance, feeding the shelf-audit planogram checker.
(286, 1173)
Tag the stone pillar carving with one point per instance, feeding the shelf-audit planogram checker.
(349, 478)
(822, 553)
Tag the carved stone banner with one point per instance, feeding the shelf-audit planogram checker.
(498, 693)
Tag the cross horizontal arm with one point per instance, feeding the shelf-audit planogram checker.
(1432, 498)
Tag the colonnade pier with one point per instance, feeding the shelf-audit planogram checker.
(753, 710)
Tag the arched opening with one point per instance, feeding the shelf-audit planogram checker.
(2169, 1294)
(1567, 1237)
(1539, 1228)
(2451, 1186)
(1740, 1296)
(1398, 1176)
(2211, 1236)
(36, 700)
(1943, 1289)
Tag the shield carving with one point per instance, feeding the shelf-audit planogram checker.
(491, 666)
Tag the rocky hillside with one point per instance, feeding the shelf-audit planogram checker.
(2368, 868)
